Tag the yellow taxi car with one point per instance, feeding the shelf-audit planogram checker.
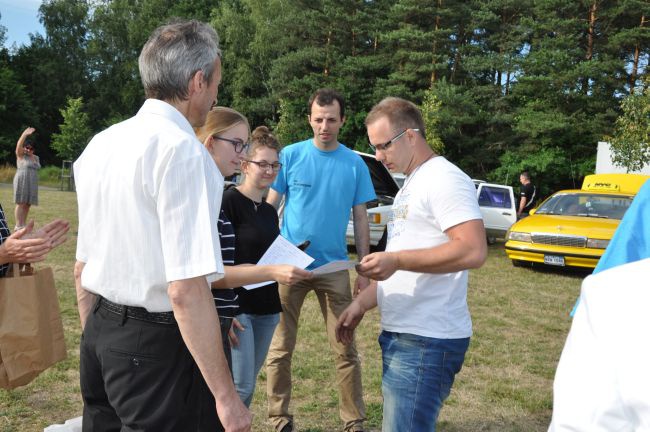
(573, 227)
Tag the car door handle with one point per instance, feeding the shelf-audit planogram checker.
(506, 214)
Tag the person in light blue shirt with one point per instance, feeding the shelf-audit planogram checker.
(321, 181)
(320, 187)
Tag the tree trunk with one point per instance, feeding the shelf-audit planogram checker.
(435, 46)
(499, 72)
(354, 34)
(326, 72)
(590, 31)
(635, 62)
(461, 42)
(590, 42)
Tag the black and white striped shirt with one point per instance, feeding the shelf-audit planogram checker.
(225, 299)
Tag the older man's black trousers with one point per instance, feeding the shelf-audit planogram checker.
(139, 376)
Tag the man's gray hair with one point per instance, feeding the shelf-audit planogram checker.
(173, 54)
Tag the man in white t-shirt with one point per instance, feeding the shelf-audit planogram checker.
(148, 196)
(435, 234)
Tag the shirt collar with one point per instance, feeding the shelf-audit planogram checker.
(164, 109)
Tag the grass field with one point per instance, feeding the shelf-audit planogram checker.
(520, 324)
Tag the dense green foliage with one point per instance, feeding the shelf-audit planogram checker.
(513, 84)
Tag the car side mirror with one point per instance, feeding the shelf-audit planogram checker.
(532, 212)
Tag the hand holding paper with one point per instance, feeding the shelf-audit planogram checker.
(288, 274)
(334, 266)
(283, 252)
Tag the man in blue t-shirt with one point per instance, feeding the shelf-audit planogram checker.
(321, 181)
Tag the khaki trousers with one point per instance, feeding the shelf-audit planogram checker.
(334, 295)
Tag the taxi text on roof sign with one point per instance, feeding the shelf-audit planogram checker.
(622, 183)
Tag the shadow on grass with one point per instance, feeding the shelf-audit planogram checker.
(572, 272)
(523, 424)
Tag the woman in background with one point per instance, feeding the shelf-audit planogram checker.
(256, 227)
(26, 178)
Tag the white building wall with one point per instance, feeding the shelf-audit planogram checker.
(604, 164)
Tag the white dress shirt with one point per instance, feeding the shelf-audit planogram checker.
(602, 383)
(149, 196)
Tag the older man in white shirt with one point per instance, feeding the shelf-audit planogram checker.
(147, 248)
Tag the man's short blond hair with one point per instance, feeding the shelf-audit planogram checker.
(401, 114)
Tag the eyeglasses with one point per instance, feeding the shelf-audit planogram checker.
(240, 145)
(264, 165)
(386, 146)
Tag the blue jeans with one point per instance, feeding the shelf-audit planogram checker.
(417, 376)
(248, 357)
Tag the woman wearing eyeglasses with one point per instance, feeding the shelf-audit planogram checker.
(26, 178)
(256, 227)
(226, 137)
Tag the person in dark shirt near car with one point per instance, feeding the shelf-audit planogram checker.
(528, 195)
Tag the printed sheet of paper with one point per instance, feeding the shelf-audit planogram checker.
(282, 251)
(334, 266)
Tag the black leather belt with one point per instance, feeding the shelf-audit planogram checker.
(137, 313)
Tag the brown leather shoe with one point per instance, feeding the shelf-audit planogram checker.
(358, 427)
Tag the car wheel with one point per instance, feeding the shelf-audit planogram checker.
(491, 240)
(517, 263)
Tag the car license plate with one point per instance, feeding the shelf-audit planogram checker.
(555, 260)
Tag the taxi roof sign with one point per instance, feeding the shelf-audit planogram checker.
(620, 183)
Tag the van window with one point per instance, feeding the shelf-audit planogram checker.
(491, 196)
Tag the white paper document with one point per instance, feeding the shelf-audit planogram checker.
(282, 251)
(334, 266)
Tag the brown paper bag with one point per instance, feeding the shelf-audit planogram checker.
(31, 331)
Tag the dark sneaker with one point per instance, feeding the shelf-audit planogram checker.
(287, 427)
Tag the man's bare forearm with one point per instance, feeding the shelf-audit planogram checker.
(361, 230)
(198, 322)
(466, 249)
(522, 205)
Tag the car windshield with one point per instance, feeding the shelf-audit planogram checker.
(586, 205)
